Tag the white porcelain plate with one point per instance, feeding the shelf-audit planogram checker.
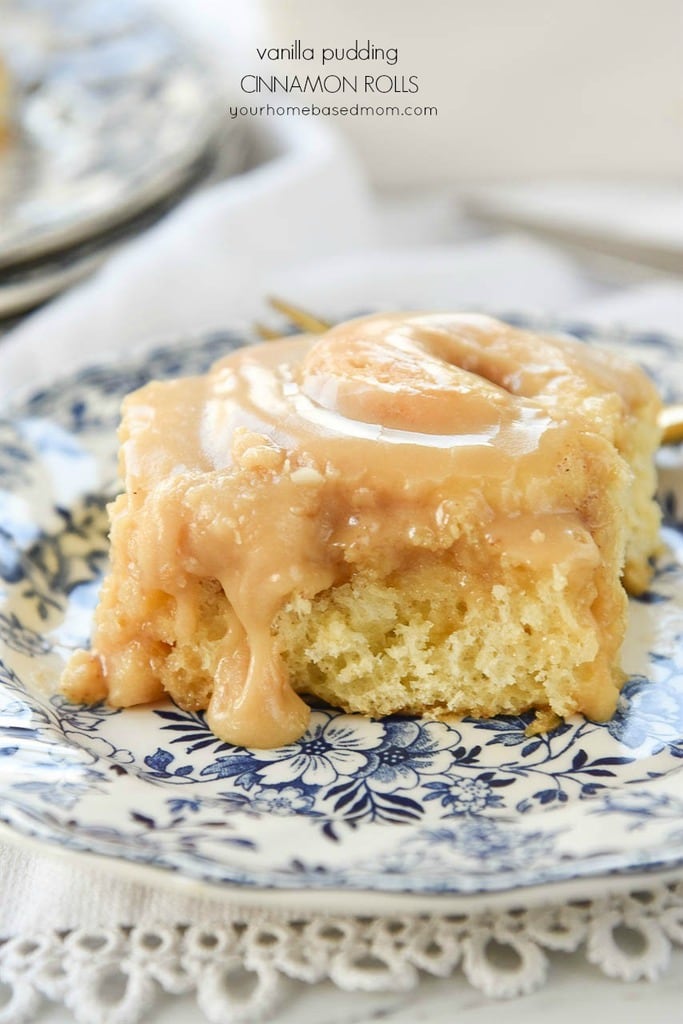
(400, 806)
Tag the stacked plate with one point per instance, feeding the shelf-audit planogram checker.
(113, 123)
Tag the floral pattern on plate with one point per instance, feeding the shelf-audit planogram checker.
(400, 805)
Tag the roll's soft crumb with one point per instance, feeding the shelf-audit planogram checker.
(410, 644)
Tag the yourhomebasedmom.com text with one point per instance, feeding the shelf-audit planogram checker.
(329, 110)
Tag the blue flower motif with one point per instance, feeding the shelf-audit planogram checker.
(289, 800)
(409, 750)
(649, 715)
(333, 746)
(160, 762)
(641, 805)
(490, 843)
(465, 796)
(238, 766)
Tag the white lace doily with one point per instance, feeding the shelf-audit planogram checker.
(503, 954)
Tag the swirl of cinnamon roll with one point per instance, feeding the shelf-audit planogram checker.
(451, 373)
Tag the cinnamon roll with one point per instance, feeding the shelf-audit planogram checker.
(424, 514)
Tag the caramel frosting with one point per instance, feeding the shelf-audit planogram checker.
(294, 463)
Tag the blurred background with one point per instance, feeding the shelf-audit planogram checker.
(560, 123)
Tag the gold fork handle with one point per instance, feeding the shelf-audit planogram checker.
(308, 322)
(671, 422)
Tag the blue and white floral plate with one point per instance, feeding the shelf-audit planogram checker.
(402, 806)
